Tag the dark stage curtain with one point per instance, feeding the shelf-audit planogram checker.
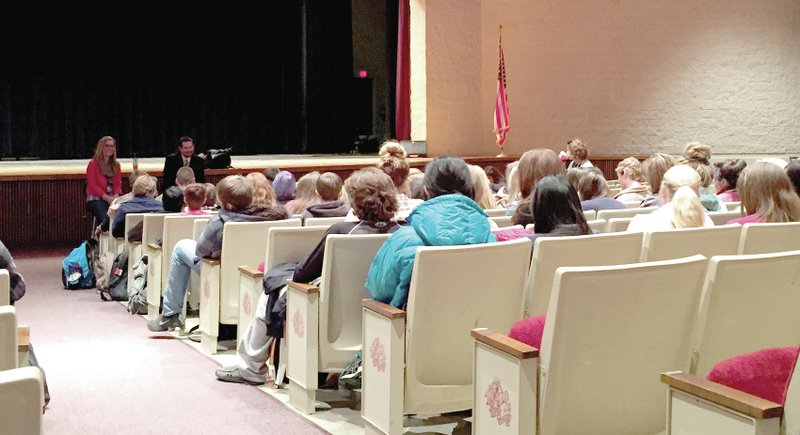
(148, 72)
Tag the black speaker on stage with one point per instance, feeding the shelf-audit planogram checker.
(415, 148)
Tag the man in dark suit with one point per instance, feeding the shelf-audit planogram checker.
(184, 157)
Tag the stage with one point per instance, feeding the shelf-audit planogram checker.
(43, 200)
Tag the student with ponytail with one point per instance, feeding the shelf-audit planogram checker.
(767, 195)
(679, 194)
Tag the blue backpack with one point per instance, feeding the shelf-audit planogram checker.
(76, 272)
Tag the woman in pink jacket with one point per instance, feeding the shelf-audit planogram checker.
(103, 179)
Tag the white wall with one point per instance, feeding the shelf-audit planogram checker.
(628, 76)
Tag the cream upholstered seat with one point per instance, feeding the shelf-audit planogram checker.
(175, 228)
(749, 303)
(701, 407)
(284, 244)
(762, 238)
(597, 225)
(502, 221)
(723, 217)
(706, 241)
(496, 212)
(21, 389)
(589, 214)
(419, 360)
(323, 321)
(322, 221)
(549, 253)
(624, 213)
(5, 287)
(618, 225)
(243, 244)
(607, 336)
(733, 206)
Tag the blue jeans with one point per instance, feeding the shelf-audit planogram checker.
(180, 268)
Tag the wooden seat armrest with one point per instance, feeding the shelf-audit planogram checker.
(252, 272)
(120, 239)
(135, 242)
(722, 395)
(305, 288)
(154, 246)
(382, 309)
(211, 261)
(504, 343)
(23, 337)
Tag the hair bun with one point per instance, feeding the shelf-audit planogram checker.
(392, 150)
(697, 152)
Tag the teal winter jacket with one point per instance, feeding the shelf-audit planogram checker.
(446, 220)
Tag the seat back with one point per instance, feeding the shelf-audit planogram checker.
(323, 221)
(610, 330)
(153, 227)
(590, 214)
(285, 244)
(243, 244)
(344, 271)
(597, 225)
(502, 221)
(624, 213)
(763, 238)
(617, 225)
(131, 220)
(722, 217)
(632, 204)
(706, 241)
(749, 303)
(496, 212)
(22, 400)
(5, 287)
(176, 227)
(733, 206)
(8, 338)
(549, 253)
(453, 290)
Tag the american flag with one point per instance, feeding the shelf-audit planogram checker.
(501, 122)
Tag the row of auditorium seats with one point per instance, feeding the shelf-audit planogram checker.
(21, 387)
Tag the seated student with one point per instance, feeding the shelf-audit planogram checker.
(416, 186)
(211, 197)
(172, 200)
(697, 156)
(483, 189)
(271, 173)
(372, 197)
(329, 189)
(305, 194)
(183, 178)
(556, 209)
(235, 195)
(592, 189)
(793, 171)
(533, 165)
(726, 177)
(496, 178)
(263, 194)
(629, 174)
(449, 217)
(653, 169)
(284, 185)
(767, 195)
(194, 196)
(17, 289)
(118, 201)
(144, 189)
(679, 192)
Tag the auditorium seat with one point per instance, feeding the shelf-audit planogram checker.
(284, 244)
(624, 213)
(496, 212)
(723, 217)
(243, 244)
(21, 388)
(502, 221)
(419, 360)
(763, 238)
(677, 243)
(750, 302)
(134, 248)
(733, 206)
(610, 330)
(5, 287)
(322, 221)
(597, 225)
(549, 253)
(323, 321)
(589, 214)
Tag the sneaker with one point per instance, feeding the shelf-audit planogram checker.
(231, 374)
(162, 323)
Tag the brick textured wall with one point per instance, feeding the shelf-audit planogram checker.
(628, 76)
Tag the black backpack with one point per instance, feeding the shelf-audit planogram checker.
(118, 283)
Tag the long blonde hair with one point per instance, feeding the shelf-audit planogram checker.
(263, 194)
(107, 167)
(767, 192)
(682, 184)
(306, 193)
(483, 189)
(654, 167)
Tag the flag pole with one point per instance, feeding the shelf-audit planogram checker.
(502, 148)
(501, 122)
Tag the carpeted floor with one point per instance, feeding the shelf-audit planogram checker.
(108, 374)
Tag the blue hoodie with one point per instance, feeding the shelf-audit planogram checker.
(446, 220)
